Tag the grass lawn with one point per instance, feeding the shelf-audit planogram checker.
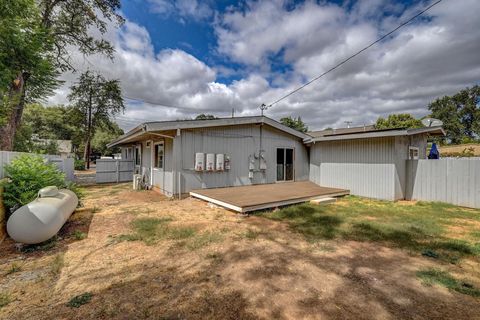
(436, 230)
(139, 255)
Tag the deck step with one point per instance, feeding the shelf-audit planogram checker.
(323, 200)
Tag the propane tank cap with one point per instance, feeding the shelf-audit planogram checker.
(50, 191)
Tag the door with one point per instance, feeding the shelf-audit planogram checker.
(158, 164)
(285, 164)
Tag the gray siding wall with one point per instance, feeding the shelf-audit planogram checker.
(239, 143)
(455, 181)
(364, 166)
(374, 168)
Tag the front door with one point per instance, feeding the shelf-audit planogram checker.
(285, 164)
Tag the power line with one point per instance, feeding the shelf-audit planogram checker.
(156, 104)
(264, 107)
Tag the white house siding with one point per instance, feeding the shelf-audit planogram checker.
(238, 142)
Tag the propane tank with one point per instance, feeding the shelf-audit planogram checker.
(42, 218)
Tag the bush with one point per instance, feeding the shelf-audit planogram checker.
(79, 164)
(28, 174)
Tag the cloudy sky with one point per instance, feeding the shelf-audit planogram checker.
(176, 59)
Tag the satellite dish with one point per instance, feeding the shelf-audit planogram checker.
(431, 122)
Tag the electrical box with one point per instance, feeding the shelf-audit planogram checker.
(251, 164)
(263, 162)
(199, 161)
(220, 162)
(227, 163)
(210, 162)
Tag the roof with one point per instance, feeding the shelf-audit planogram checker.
(146, 127)
(326, 132)
(372, 133)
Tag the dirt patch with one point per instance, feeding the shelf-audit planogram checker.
(259, 269)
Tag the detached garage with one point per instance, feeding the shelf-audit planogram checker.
(370, 163)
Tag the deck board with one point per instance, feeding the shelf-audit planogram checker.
(262, 196)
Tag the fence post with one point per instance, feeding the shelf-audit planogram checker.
(117, 164)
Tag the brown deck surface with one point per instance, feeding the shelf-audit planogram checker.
(266, 195)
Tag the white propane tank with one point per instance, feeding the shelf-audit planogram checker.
(137, 178)
(42, 218)
(199, 161)
(210, 161)
(220, 162)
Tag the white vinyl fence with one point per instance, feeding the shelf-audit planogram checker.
(63, 164)
(114, 170)
(455, 181)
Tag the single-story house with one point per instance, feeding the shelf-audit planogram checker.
(176, 157)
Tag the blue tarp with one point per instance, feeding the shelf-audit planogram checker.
(434, 154)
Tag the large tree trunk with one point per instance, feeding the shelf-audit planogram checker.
(16, 104)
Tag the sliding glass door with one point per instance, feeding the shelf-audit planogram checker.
(285, 169)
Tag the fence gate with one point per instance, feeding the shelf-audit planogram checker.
(114, 170)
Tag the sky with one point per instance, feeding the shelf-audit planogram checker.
(177, 59)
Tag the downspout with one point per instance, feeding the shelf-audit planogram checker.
(179, 173)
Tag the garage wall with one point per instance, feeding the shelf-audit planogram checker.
(240, 143)
(364, 166)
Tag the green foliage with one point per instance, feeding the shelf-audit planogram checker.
(460, 114)
(4, 299)
(204, 116)
(80, 300)
(79, 164)
(79, 235)
(293, 123)
(96, 100)
(28, 174)
(436, 276)
(420, 227)
(25, 48)
(401, 120)
(105, 135)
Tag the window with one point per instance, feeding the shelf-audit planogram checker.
(159, 153)
(138, 155)
(413, 153)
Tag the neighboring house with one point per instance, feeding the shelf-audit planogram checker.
(64, 147)
(176, 157)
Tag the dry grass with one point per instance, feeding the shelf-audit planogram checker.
(147, 257)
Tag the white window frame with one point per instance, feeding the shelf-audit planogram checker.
(412, 156)
(154, 162)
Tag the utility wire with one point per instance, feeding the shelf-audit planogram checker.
(264, 107)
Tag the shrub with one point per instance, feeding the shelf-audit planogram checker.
(79, 164)
(28, 174)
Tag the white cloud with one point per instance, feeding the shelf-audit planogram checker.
(424, 60)
(184, 9)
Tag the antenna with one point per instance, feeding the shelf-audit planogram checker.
(348, 123)
(263, 107)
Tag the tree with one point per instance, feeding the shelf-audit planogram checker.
(460, 114)
(36, 38)
(97, 100)
(103, 136)
(400, 120)
(203, 116)
(55, 122)
(25, 57)
(293, 123)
